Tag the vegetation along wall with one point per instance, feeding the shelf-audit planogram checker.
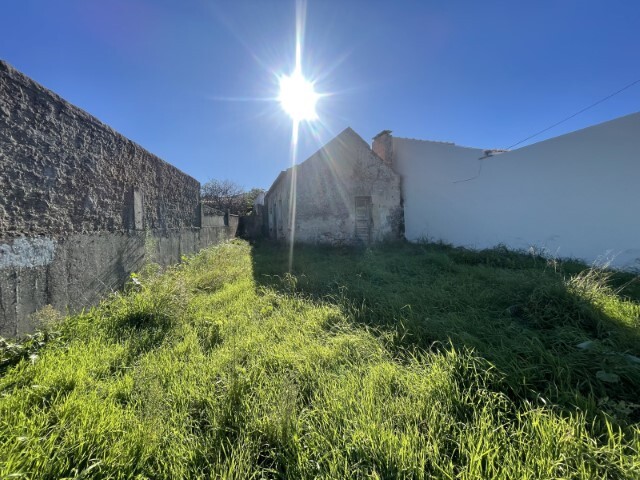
(81, 206)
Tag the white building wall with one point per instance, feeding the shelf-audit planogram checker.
(577, 195)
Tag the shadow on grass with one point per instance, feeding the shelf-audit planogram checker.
(559, 332)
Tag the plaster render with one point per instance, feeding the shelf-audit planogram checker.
(27, 253)
(84, 267)
(326, 186)
(575, 195)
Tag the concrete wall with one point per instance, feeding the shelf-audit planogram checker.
(74, 271)
(576, 195)
(81, 206)
(325, 188)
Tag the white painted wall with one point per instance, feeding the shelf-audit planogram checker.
(577, 195)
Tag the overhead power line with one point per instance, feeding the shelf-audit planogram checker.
(577, 113)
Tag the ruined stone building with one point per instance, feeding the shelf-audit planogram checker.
(343, 194)
(81, 206)
(575, 195)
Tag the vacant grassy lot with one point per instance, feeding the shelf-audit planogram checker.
(404, 361)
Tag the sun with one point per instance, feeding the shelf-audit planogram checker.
(298, 97)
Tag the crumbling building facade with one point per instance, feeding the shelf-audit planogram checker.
(343, 194)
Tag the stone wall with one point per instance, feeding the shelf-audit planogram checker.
(81, 206)
(62, 171)
(251, 226)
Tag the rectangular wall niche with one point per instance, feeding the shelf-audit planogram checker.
(138, 213)
(135, 209)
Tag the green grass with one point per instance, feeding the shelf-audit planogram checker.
(401, 361)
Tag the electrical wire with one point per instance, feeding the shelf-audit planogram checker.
(575, 114)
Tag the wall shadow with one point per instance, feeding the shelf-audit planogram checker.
(550, 341)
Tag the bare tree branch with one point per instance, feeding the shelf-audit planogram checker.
(226, 195)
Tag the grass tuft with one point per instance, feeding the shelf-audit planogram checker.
(399, 361)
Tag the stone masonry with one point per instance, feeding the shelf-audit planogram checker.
(81, 206)
(62, 171)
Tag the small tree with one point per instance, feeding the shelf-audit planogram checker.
(226, 195)
(223, 195)
(250, 198)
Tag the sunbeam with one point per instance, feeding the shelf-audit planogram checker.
(292, 189)
(298, 99)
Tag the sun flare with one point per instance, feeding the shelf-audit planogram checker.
(298, 97)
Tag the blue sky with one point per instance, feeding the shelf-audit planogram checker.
(190, 80)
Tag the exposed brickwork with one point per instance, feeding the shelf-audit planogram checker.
(383, 146)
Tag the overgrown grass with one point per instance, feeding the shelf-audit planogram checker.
(403, 361)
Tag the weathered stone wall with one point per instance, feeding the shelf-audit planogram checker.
(62, 171)
(326, 187)
(81, 206)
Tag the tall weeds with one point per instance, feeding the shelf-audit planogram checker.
(396, 362)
